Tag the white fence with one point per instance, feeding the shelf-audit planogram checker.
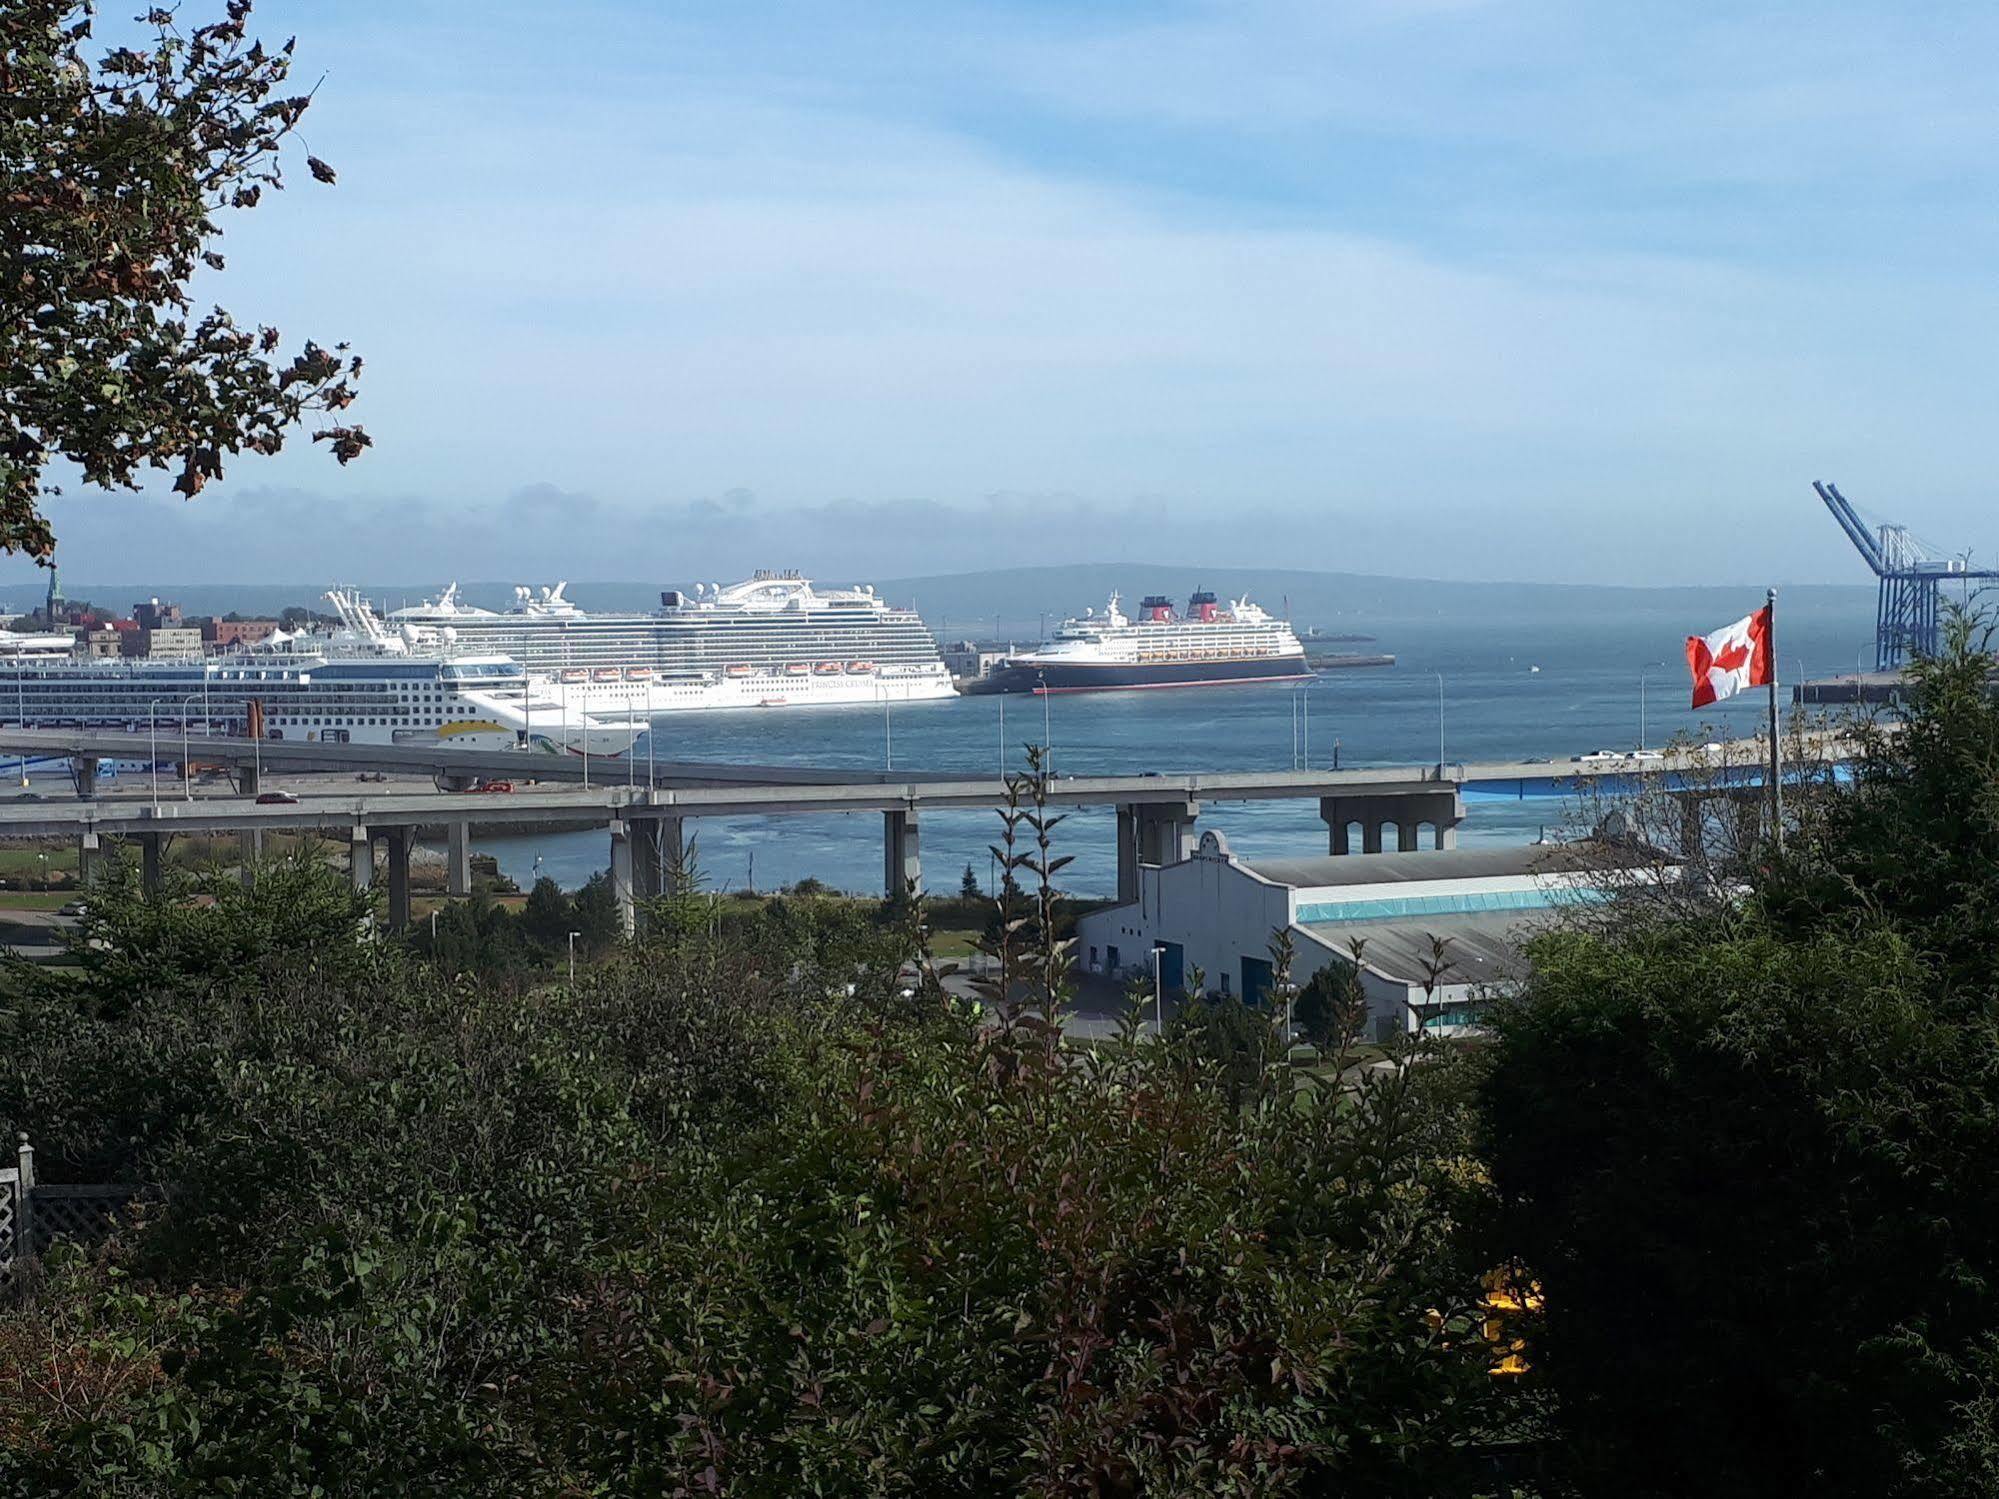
(33, 1215)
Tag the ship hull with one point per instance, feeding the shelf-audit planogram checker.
(1119, 676)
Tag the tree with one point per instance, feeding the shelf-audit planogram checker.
(114, 176)
(598, 922)
(548, 915)
(1752, 1155)
(968, 885)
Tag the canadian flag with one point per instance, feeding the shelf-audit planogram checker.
(1730, 659)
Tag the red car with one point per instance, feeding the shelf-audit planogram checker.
(494, 786)
(277, 799)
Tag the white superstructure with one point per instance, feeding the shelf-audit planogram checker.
(314, 689)
(771, 641)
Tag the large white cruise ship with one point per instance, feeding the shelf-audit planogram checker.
(771, 641)
(311, 688)
(1208, 646)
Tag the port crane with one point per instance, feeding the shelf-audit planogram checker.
(1905, 618)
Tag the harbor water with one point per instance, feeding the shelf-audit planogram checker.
(1511, 688)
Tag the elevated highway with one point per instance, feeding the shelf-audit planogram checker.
(1391, 807)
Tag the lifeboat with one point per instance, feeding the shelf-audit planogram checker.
(827, 669)
(796, 669)
(638, 674)
(737, 669)
(860, 668)
(604, 674)
(575, 674)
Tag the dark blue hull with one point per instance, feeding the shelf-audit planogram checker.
(1119, 678)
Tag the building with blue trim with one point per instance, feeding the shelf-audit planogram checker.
(1430, 933)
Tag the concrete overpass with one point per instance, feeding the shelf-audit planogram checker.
(1156, 812)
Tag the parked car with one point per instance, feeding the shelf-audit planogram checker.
(276, 799)
(494, 786)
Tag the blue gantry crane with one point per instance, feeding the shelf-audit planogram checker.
(1911, 574)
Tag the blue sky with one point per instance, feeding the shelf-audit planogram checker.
(1441, 287)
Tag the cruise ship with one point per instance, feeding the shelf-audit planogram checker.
(310, 688)
(771, 641)
(1207, 646)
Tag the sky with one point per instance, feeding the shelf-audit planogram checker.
(1475, 289)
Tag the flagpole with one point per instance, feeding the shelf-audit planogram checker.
(1776, 741)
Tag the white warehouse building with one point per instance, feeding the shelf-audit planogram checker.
(1433, 929)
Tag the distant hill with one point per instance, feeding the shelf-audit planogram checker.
(959, 604)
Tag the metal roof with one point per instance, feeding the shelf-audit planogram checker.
(1478, 948)
(1440, 864)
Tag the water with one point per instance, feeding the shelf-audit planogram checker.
(1586, 695)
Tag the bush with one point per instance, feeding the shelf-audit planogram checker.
(1754, 1158)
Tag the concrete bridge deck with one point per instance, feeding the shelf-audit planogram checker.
(1390, 806)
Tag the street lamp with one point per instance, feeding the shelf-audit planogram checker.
(186, 772)
(572, 958)
(1440, 722)
(153, 732)
(1047, 726)
(1158, 991)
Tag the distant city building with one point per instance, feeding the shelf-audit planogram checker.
(154, 615)
(228, 634)
(966, 659)
(100, 641)
(164, 641)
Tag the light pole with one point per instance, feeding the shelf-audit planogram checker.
(1047, 725)
(649, 759)
(1158, 992)
(1002, 759)
(888, 732)
(1648, 666)
(153, 735)
(186, 771)
(572, 958)
(1440, 722)
(21, 716)
(433, 931)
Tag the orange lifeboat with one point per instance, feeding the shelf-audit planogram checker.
(737, 669)
(860, 668)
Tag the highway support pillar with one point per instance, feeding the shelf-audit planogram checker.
(1693, 816)
(248, 782)
(1127, 853)
(1166, 831)
(669, 856)
(89, 857)
(396, 844)
(85, 767)
(458, 858)
(250, 853)
(645, 853)
(902, 861)
(1152, 833)
(149, 862)
(1403, 811)
(360, 858)
(624, 876)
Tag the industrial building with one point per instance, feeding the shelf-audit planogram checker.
(1434, 930)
